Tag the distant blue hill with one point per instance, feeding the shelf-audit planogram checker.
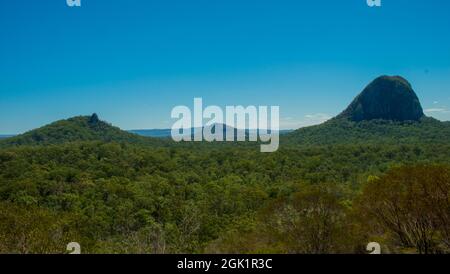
(164, 133)
(6, 136)
(158, 133)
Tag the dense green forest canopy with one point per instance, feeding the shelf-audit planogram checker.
(343, 131)
(115, 197)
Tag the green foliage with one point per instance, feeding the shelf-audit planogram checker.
(310, 220)
(34, 230)
(82, 128)
(342, 131)
(189, 198)
(412, 204)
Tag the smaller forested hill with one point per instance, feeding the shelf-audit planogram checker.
(81, 128)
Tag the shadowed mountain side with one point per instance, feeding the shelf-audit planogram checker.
(388, 98)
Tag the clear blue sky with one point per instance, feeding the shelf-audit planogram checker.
(131, 61)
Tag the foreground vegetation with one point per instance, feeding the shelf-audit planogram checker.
(116, 197)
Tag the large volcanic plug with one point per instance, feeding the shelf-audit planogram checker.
(388, 98)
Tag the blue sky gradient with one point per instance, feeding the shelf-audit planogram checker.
(132, 61)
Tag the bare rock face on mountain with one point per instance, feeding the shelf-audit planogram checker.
(387, 98)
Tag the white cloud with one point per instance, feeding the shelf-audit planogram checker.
(307, 120)
(440, 113)
(436, 110)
